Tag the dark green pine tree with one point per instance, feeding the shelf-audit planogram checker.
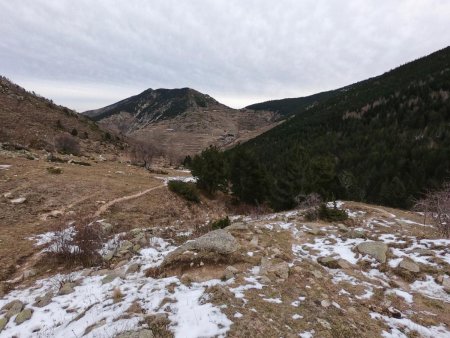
(248, 180)
(210, 169)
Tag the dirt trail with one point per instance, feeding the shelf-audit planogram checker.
(106, 206)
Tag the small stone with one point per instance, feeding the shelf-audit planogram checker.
(125, 246)
(409, 265)
(136, 248)
(66, 289)
(230, 272)
(326, 325)
(44, 300)
(8, 195)
(19, 200)
(254, 241)
(29, 273)
(133, 268)
(325, 303)
(23, 316)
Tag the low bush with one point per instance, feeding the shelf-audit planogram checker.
(77, 242)
(186, 190)
(54, 170)
(67, 144)
(221, 223)
(331, 214)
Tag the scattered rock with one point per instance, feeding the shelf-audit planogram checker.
(144, 333)
(409, 265)
(254, 241)
(329, 261)
(109, 278)
(377, 250)
(109, 255)
(274, 268)
(317, 274)
(344, 264)
(217, 242)
(446, 283)
(19, 200)
(238, 226)
(23, 316)
(8, 195)
(393, 312)
(125, 246)
(315, 231)
(133, 268)
(342, 227)
(325, 303)
(106, 227)
(44, 300)
(13, 308)
(230, 272)
(29, 273)
(424, 252)
(326, 325)
(66, 289)
(3, 322)
(55, 213)
(120, 264)
(356, 234)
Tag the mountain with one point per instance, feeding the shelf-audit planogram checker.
(383, 140)
(33, 121)
(182, 119)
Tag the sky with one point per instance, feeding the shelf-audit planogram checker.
(87, 54)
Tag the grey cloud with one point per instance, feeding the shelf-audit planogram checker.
(84, 53)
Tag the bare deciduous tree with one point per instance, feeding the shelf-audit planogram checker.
(436, 206)
(143, 152)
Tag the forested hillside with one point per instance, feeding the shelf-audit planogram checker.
(297, 105)
(384, 140)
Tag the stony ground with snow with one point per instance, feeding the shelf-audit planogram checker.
(382, 273)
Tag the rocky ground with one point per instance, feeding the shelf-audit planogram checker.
(380, 273)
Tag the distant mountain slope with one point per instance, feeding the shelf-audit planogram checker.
(292, 106)
(182, 119)
(384, 140)
(34, 121)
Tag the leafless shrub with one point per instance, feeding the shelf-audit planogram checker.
(143, 152)
(436, 207)
(309, 201)
(67, 144)
(77, 242)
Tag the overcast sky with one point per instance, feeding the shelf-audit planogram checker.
(86, 54)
